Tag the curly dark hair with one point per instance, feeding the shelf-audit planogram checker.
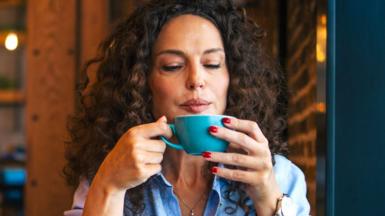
(120, 98)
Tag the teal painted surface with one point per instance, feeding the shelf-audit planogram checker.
(357, 117)
(330, 112)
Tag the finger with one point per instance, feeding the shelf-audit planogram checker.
(235, 148)
(235, 159)
(234, 174)
(153, 169)
(152, 157)
(246, 126)
(235, 137)
(153, 146)
(152, 130)
(141, 157)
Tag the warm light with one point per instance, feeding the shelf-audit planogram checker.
(321, 39)
(321, 57)
(11, 41)
(323, 19)
(321, 107)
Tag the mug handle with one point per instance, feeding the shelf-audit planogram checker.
(168, 142)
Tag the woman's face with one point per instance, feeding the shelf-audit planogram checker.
(189, 73)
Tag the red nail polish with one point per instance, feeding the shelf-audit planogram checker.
(226, 120)
(214, 169)
(213, 129)
(206, 154)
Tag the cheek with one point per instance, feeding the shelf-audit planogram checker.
(162, 91)
(160, 96)
(222, 86)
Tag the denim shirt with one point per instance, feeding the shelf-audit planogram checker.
(159, 198)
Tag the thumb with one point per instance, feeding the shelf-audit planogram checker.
(162, 119)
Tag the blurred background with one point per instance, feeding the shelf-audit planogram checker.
(44, 43)
(12, 106)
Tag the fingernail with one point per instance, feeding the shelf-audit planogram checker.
(213, 129)
(226, 120)
(214, 169)
(206, 154)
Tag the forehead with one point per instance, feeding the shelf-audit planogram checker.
(189, 33)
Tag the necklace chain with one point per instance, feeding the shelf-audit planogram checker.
(195, 204)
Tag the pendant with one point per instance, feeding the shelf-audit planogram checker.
(192, 213)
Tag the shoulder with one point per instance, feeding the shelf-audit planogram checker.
(285, 170)
(291, 181)
(80, 194)
(79, 198)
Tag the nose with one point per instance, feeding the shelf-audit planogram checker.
(195, 85)
(195, 78)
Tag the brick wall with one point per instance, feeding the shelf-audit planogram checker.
(261, 12)
(302, 73)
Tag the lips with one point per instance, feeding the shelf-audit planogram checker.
(195, 105)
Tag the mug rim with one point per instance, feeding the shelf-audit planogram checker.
(202, 115)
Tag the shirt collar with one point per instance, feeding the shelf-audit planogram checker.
(161, 179)
(217, 185)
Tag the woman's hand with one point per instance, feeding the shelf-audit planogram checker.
(135, 158)
(252, 159)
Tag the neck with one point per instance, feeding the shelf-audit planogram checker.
(184, 170)
(191, 180)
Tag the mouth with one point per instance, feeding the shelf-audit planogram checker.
(195, 105)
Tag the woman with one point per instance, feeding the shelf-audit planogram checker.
(172, 58)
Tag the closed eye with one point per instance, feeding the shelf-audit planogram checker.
(171, 68)
(212, 66)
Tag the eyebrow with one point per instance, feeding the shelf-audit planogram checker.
(180, 53)
(213, 50)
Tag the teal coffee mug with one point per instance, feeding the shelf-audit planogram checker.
(193, 134)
